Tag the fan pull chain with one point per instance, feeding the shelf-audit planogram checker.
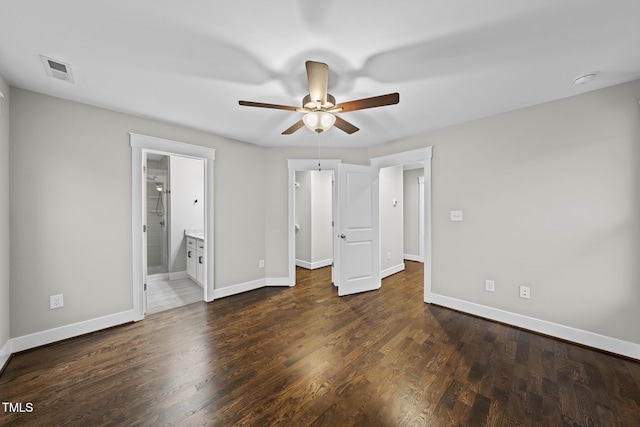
(318, 137)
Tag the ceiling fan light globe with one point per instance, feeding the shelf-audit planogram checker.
(311, 120)
(327, 120)
(319, 121)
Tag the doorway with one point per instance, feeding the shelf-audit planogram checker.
(329, 166)
(392, 220)
(174, 222)
(141, 147)
(356, 251)
(314, 218)
(413, 188)
(419, 159)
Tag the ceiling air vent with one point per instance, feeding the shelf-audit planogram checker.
(57, 69)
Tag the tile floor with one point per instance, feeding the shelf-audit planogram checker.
(164, 294)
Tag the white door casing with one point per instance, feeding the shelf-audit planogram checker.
(421, 216)
(357, 234)
(140, 145)
(145, 273)
(304, 165)
(421, 156)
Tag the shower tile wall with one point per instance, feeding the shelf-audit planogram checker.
(154, 229)
(157, 243)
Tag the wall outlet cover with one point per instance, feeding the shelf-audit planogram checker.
(456, 215)
(56, 301)
(489, 286)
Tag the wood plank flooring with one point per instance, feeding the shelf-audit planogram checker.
(303, 356)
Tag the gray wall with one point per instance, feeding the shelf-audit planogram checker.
(303, 216)
(321, 216)
(549, 193)
(157, 234)
(4, 215)
(551, 200)
(411, 211)
(391, 218)
(70, 205)
(187, 186)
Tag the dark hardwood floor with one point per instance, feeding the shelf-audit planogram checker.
(305, 357)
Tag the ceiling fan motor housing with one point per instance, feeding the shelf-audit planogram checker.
(310, 104)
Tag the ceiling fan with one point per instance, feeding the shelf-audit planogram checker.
(319, 106)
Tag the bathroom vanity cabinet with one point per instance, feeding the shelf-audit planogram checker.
(195, 259)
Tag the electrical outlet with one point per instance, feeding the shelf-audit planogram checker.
(388, 255)
(56, 301)
(489, 286)
(525, 292)
(456, 215)
(261, 263)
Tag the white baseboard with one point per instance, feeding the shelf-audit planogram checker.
(227, 291)
(280, 281)
(5, 354)
(178, 275)
(410, 257)
(391, 270)
(586, 338)
(239, 288)
(313, 265)
(49, 336)
(590, 339)
(303, 264)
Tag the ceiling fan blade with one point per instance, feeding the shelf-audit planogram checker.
(263, 105)
(375, 101)
(318, 77)
(297, 125)
(345, 126)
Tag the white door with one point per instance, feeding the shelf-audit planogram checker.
(144, 233)
(357, 255)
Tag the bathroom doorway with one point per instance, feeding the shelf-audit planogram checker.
(154, 149)
(175, 230)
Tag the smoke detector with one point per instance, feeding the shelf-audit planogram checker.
(585, 78)
(57, 69)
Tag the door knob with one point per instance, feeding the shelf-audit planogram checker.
(342, 236)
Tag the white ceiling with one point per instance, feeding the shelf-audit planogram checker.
(189, 62)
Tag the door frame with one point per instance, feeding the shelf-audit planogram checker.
(420, 156)
(421, 216)
(303, 165)
(140, 145)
